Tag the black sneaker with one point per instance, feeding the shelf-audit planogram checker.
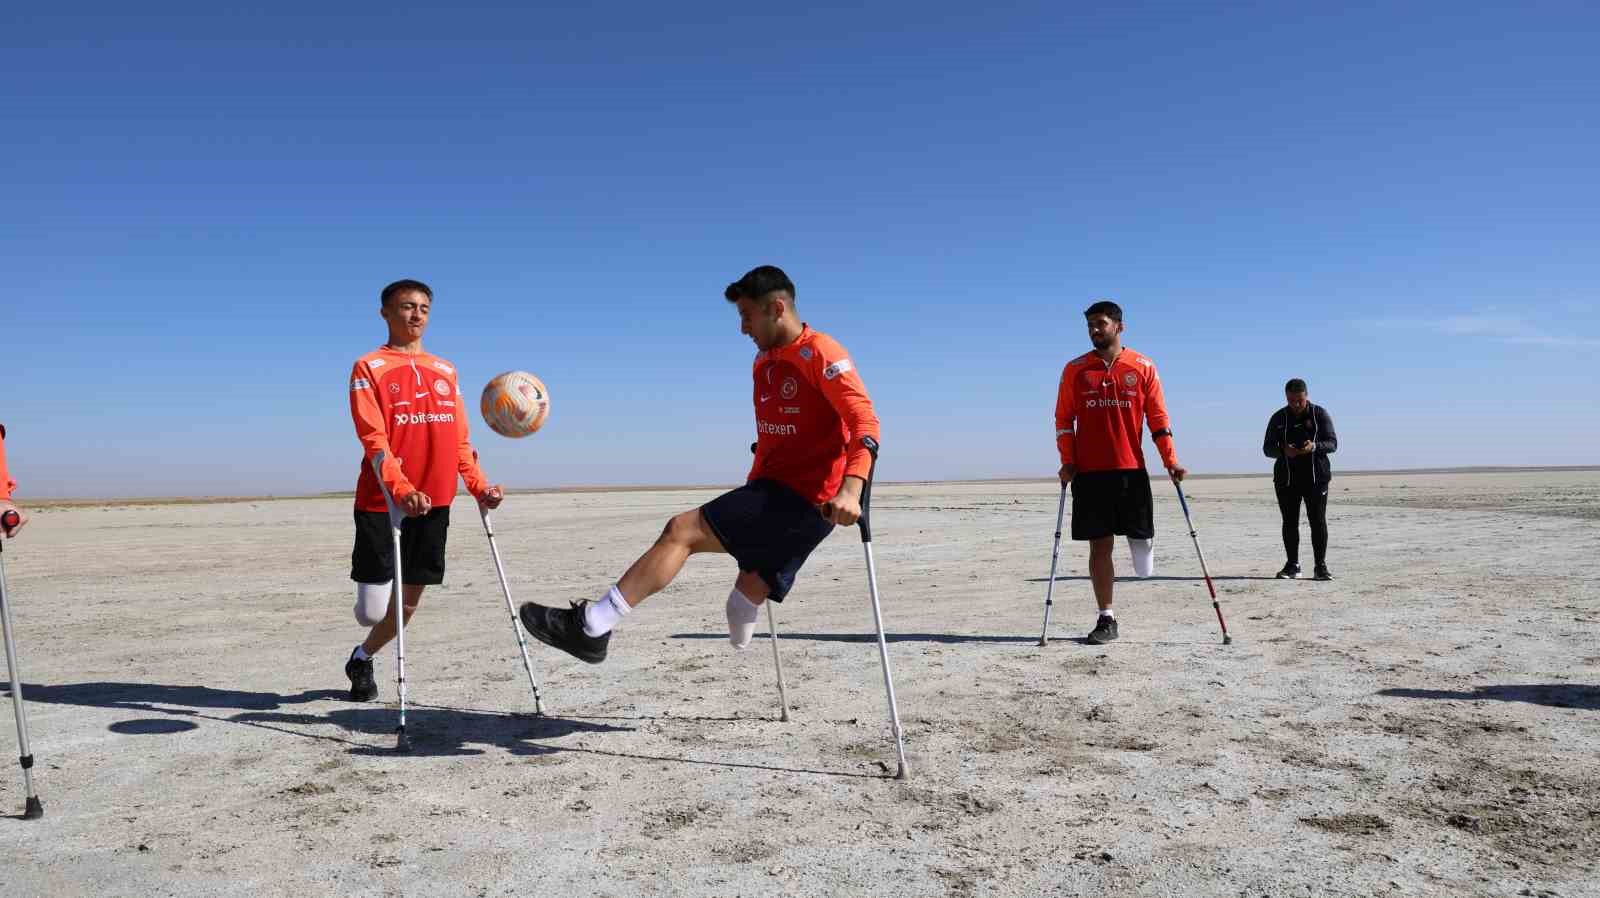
(363, 688)
(562, 628)
(1291, 571)
(1322, 573)
(1105, 630)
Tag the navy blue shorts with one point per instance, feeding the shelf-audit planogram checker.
(769, 529)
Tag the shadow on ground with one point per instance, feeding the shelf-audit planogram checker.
(1062, 578)
(1554, 695)
(944, 638)
(369, 728)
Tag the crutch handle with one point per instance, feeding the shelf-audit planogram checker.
(865, 523)
(10, 519)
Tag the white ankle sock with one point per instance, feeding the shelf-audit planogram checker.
(742, 614)
(1144, 556)
(599, 618)
(360, 654)
(1109, 612)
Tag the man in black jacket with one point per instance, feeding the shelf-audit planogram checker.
(1300, 437)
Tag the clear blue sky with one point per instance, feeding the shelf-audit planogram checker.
(1397, 202)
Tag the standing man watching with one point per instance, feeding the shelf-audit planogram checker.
(1300, 437)
(1104, 399)
(405, 404)
(814, 424)
(6, 486)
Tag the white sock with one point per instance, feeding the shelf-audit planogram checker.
(599, 618)
(742, 614)
(1144, 557)
(1109, 612)
(360, 654)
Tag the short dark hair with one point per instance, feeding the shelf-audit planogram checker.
(758, 282)
(1105, 307)
(1295, 385)
(404, 286)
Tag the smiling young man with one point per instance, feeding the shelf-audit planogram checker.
(405, 404)
(1300, 437)
(813, 421)
(1104, 398)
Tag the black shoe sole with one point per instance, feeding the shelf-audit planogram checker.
(1286, 576)
(535, 628)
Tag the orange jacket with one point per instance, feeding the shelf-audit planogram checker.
(410, 408)
(1100, 411)
(812, 411)
(6, 483)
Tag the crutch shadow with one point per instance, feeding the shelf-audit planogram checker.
(593, 723)
(1554, 695)
(177, 703)
(1061, 578)
(941, 638)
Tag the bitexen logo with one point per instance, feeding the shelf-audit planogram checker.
(426, 418)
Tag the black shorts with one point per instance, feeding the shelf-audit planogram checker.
(769, 529)
(421, 548)
(1112, 503)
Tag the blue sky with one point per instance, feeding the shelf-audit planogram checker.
(1396, 202)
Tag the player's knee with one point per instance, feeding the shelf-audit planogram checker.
(372, 602)
(684, 529)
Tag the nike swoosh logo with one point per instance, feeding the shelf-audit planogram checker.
(765, 396)
(420, 395)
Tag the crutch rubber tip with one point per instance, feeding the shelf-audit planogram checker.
(1226, 639)
(901, 774)
(402, 743)
(1043, 641)
(34, 809)
(784, 717)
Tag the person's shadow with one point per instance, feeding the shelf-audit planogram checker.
(434, 730)
(1554, 695)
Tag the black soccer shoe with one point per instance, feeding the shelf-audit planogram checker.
(1105, 630)
(1291, 571)
(562, 628)
(363, 688)
(1322, 573)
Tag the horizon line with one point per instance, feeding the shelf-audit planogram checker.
(79, 502)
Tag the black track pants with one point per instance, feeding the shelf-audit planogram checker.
(1316, 500)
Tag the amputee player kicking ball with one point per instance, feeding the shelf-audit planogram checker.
(1104, 399)
(813, 417)
(407, 405)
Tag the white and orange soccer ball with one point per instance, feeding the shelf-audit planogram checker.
(515, 404)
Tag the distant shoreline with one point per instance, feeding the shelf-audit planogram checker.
(46, 504)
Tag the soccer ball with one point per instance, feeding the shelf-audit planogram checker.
(515, 404)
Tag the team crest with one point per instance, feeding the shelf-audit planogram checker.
(395, 389)
(442, 387)
(791, 388)
(1128, 380)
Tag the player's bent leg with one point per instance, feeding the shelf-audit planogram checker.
(686, 534)
(744, 607)
(584, 629)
